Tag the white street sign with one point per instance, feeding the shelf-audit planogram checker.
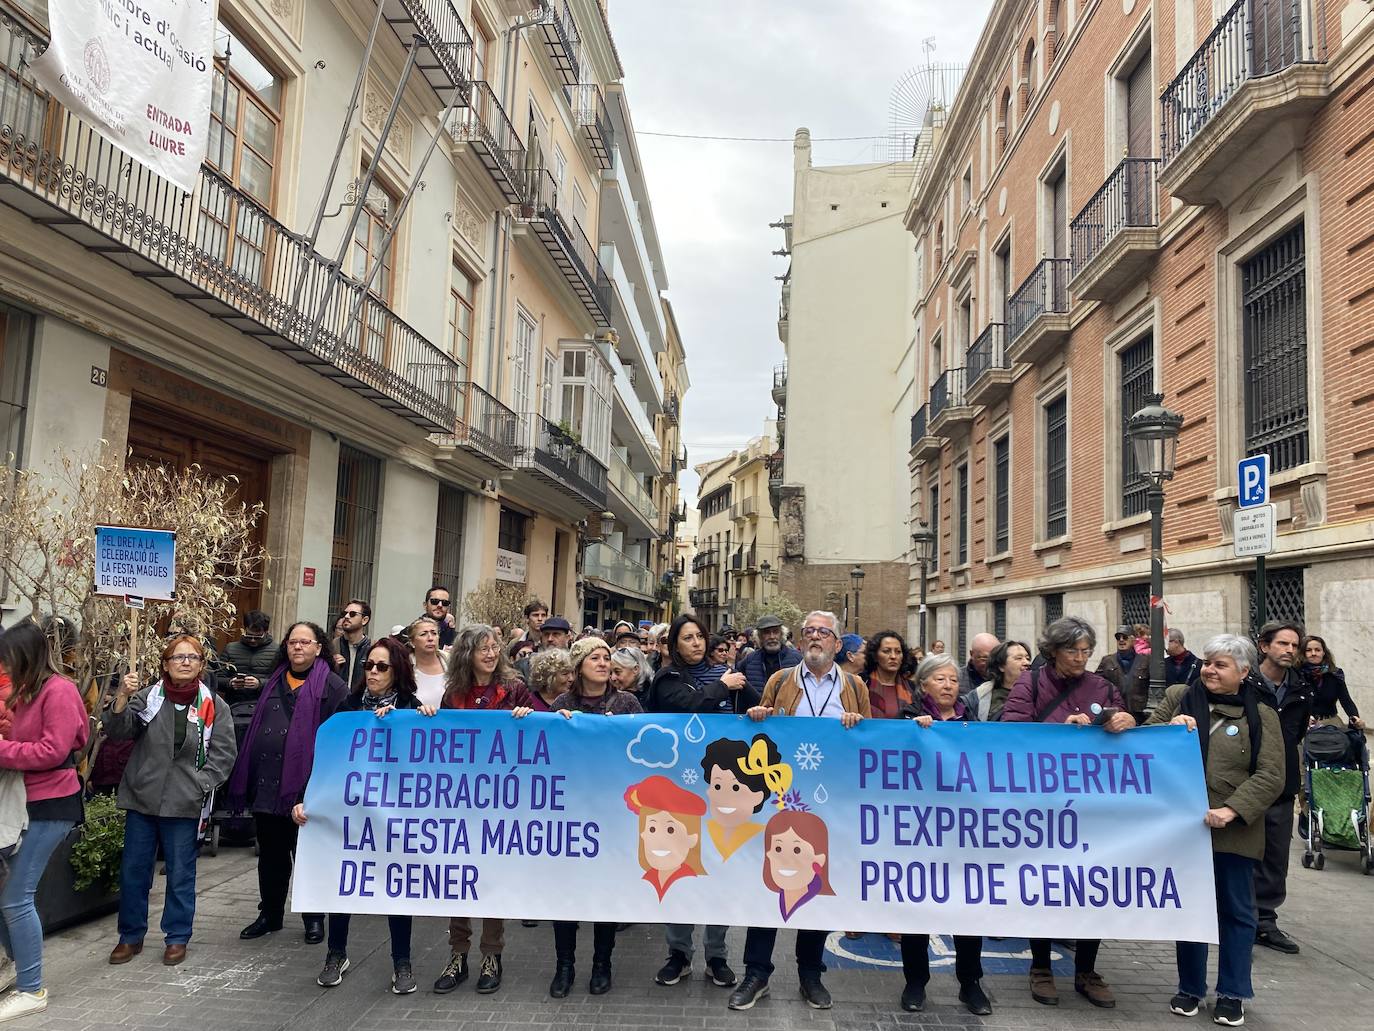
(1252, 531)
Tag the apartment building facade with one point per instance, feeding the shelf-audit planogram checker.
(444, 410)
(1128, 199)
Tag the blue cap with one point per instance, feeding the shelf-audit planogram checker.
(848, 643)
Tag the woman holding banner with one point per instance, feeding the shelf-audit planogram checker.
(1063, 691)
(591, 692)
(274, 764)
(550, 676)
(184, 748)
(1243, 760)
(479, 678)
(937, 679)
(388, 683)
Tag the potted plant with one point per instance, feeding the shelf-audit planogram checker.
(82, 877)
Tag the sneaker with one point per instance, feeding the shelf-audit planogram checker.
(1042, 987)
(750, 990)
(1094, 989)
(1230, 1012)
(453, 975)
(1184, 1005)
(678, 966)
(23, 1004)
(814, 992)
(335, 966)
(1279, 941)
(975, 1000)
(403, 980)
(489, 977)
(720, 973)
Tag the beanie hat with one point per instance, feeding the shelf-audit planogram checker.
(584, 647)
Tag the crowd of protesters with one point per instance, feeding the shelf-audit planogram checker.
(243, 724)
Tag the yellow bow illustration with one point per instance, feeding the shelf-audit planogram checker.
(777, 776)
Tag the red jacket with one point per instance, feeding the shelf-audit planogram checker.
(43, 737)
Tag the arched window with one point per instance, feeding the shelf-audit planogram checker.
(939, 245)
(1004, 125)
(1028, 74)
(1054, 30)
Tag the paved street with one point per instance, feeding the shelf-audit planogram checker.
(228, 984)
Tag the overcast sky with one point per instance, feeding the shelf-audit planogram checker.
(759, 68)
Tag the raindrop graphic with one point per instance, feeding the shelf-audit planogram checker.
(821, 796)
(695, 731)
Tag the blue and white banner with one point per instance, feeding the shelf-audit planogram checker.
(998, 828)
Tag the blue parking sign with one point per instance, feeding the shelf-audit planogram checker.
(1252, 477)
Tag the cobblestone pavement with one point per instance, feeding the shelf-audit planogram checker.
(227, 984)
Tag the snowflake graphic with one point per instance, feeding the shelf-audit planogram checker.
(809, 756)
(689, 776)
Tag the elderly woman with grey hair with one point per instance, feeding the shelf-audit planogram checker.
(1243, 762)
(1063, 691)
(629, 670)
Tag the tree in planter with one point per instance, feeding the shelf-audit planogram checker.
(97, 853)
(47, 555)
(780, 605)
(496, 603)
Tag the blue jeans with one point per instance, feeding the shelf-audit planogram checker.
(21, 932)
(142, 835)
(1236, 926)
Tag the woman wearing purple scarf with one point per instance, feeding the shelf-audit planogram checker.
(937, 679)
(274, 764)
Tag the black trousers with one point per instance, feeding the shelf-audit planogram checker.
(276, 856)
(1084, 956)
(758, 952)
(1271, 873)
(565, 941)
(968, 958)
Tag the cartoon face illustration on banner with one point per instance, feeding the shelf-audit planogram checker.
(669, 831)
(796, 853)
(739, 778)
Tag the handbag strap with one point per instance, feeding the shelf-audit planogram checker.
(1054, 702)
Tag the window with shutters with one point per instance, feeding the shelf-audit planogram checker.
(522, 361)
(960, 632)
(961, 514)
(999, 619)
(357, 499)
(1140, 137)
(512, 530)
(1056, 416)
(448, 538)
(1055, 30)
(1001, 495)
(935, 525)
(462, 301)
(1136, 366)
(1056, 206)
(1274, 334)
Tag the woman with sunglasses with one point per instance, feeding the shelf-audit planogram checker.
(388, 683)
(431, 662)
(184, 748)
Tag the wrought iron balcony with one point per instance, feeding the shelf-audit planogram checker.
(780, 384)
(563, 237)
(589, 114)
(1038, 312)
(744, 509)
(705, 597)
(924, 444)
(618, 571)
(949, 409)
(483, 125)
(703, 559)
(561, 462)
(989, 373)
(486, 428)
(1244, 98)
(744, 562)
(443, 55)
(1116, 235)
(561, 40)
(671, 413)
(257, 277)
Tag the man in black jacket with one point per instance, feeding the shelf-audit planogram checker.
(246, 664)
(1129, 671)
(352, 646)
(1180, 665)
(1282, 687)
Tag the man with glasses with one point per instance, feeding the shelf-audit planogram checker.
(816, 687)
(352, 645)
(1129, 671)
(439, 607)
(248, 662)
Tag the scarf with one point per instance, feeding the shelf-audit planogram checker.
(479, 696)
(929, 707)
(702, 673)
(1197, 702)
(201, 714)
(300, 738)
(372, 702)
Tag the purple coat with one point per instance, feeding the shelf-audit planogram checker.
(1021, 707)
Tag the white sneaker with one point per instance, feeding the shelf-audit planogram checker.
(23, 1004)
(7, 973)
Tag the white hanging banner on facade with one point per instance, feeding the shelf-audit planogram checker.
(141, 72)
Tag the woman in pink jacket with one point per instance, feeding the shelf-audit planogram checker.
(50, 727)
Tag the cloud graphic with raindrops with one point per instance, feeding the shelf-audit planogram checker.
(654, 747)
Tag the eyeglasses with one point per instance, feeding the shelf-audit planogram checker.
(1078, 653)
(490, 648)
(353, 615)
(186, 659)
(380, 667)
(817, 631)
(439, 601)
(302, 644)
(1123, 637)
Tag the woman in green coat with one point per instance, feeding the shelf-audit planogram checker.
(1243, 761)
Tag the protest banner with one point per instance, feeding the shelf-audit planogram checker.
(135, 563)
(141, 72)
(997, 829)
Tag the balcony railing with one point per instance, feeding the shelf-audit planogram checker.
(745, 508)
(216, 248)
(918, 424)
(989, 351)
(704, 597)
(1253, 39)
(562, 462)
(1126, 200)
(671, 413)
(589, 114)
(629, 486)
(484, 125)
(485, 426)
(567, 244)
(780, 384)
(702, 559)
(561, 39)
(444, 45)
(947, 393)
(618, 569)
(1046, 290)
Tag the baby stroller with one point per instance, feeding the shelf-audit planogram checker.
(1336, 779)
(235, 827)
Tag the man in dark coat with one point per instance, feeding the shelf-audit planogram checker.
(1180, 665)
(246, 664)
(771, 655)
(1128, 671)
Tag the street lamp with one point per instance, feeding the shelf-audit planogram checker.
(1154, 435)
(856, 577)
(765, 567)
(923, 544)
